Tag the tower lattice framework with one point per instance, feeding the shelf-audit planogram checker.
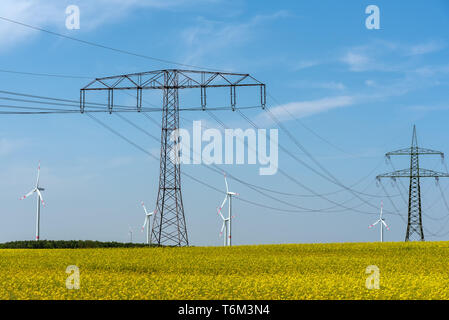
(414, 174)
(169, 224)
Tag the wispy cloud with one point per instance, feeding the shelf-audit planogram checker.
(306, 64)
(300, 109)
(357, 61)
(427, 71)
(377, 56)
(37, 13)
(8, 146)
(208, 36)
(51, 14)
(328, 85)
(426, 48)
(428, 108)
(386, 56)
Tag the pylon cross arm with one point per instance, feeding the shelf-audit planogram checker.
(406, 173)
(185, 79)
(414, 150)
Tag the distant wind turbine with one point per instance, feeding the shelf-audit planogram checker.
(227, 222)
(147, 222)
(40, 200)
(130, 232)
(382, 221)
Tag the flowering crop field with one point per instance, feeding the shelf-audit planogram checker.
(306, 271)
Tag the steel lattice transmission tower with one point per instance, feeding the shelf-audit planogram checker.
(169, 224)
(414, 174)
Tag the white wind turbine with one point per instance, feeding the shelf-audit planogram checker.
(227, 222)
(40, 200)
(225, 226)
(381, 219)
(147, 222)
(130, 232)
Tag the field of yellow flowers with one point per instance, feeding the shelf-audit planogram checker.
(309, 271)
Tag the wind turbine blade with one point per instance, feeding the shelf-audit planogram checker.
(386, 226)
(226, 182)
(28, 194)
(381, 209)
(223, 203)
(221, 207)
(222, 228)
(374, 224)
(38, 173)
(219, 213)
(40, 196)
(144, 208)
(145, 223)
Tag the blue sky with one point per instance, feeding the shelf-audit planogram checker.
(361, 90)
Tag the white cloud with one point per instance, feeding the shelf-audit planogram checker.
(37, 13)
(331, 85)
(51, 14)
(426, 48)
(209, 36)
(429, 108)
(5, 147)
(356, 61)
(301, 109)
(374, 56)
(156, 152)
(306, 64)
(386, 56)
(427, 71)
(8, 146)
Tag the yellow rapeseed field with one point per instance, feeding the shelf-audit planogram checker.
(312, 271)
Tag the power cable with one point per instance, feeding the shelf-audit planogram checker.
(94, 44)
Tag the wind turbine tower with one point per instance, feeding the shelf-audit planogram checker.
(37, 189)
(130, 232)
(382, 223)
(147, 222)
(227, 222)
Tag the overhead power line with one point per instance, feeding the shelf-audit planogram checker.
(106, 47)
(44, 74)
(289, 177)
(354, 192)
(217, 109)
(98, 45)
(97, 107)
(255, 188)
(43, 111)
(328, 175)
(213, 116)
(141, 56)
(313, 132)
(257, 204)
